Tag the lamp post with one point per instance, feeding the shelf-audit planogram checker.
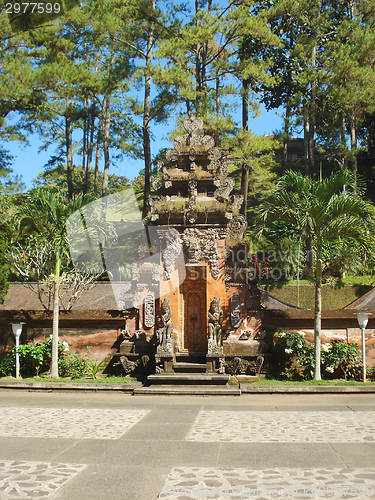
(362, 318)
(17, 330)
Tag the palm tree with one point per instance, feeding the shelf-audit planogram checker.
(45, 216)
(322, 210)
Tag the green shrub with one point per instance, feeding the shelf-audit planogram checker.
(343, 356)
(294, 357)
(34, 358)
(370, 372)
(8, 364)
(73, 366)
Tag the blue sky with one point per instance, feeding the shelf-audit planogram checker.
(29, 162)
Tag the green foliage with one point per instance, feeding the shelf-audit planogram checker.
(93, 366)
(7, 364)
(75, 366)
(321, 211)
(370, 372)
(295, 357)
(72, 366)
(55, 178)
(345, 357)
(34, 358)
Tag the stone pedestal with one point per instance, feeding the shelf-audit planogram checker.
(215, 363)
(164, 361)
(126, 347)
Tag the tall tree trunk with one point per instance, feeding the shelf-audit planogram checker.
(97, 156)
(218, 111)
(318, 312)
(107, 123)
(85, 132)
(90, 149)
(55, 322)
(285, 139)
(198, 68)
(146, 122)
(353, 141)
(306, 133)
(245, 126)
(312, 120)
(69, 154)
(245, 104)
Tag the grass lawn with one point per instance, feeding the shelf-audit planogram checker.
(99, 380)
(311, 382)
(333, 297)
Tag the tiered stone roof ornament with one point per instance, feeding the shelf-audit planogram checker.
(195, 173)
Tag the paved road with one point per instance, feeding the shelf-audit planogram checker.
(95, 446)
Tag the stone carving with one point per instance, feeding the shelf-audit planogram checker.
(172, 250)
(141, 365)
(191, 242)
(135, 272)
(235, 310)
(156, 273)
(223, 191)
(238, 366)
(222, 365)
(126, 335)
(171, 154)
(215, 321)
(237, 202)
(154, 215)
(164, 333)
(207, 141)
(193, 125)
(191, 214)
(129, 366)
(178, 142)
(235, 206)
(193, 137)
(209, 251)
(237, 227)
(149, 311)
(157, 184)
(228, 273)
(192, 183)
(202, 246)
(246, 335)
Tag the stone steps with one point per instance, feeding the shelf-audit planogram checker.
(186, 390)
(188, 379)
(185, 367)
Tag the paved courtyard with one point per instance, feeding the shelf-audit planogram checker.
(95, 446)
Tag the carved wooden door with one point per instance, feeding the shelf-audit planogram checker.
(194, 300)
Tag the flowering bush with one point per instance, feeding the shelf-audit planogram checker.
(290, 349)
(344, 356)
(295, 357)
(33, 358)
(259, 269)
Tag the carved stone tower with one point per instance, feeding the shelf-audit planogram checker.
(196, 214)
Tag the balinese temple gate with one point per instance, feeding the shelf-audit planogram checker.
(202, 306)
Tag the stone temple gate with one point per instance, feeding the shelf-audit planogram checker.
(203, 303)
